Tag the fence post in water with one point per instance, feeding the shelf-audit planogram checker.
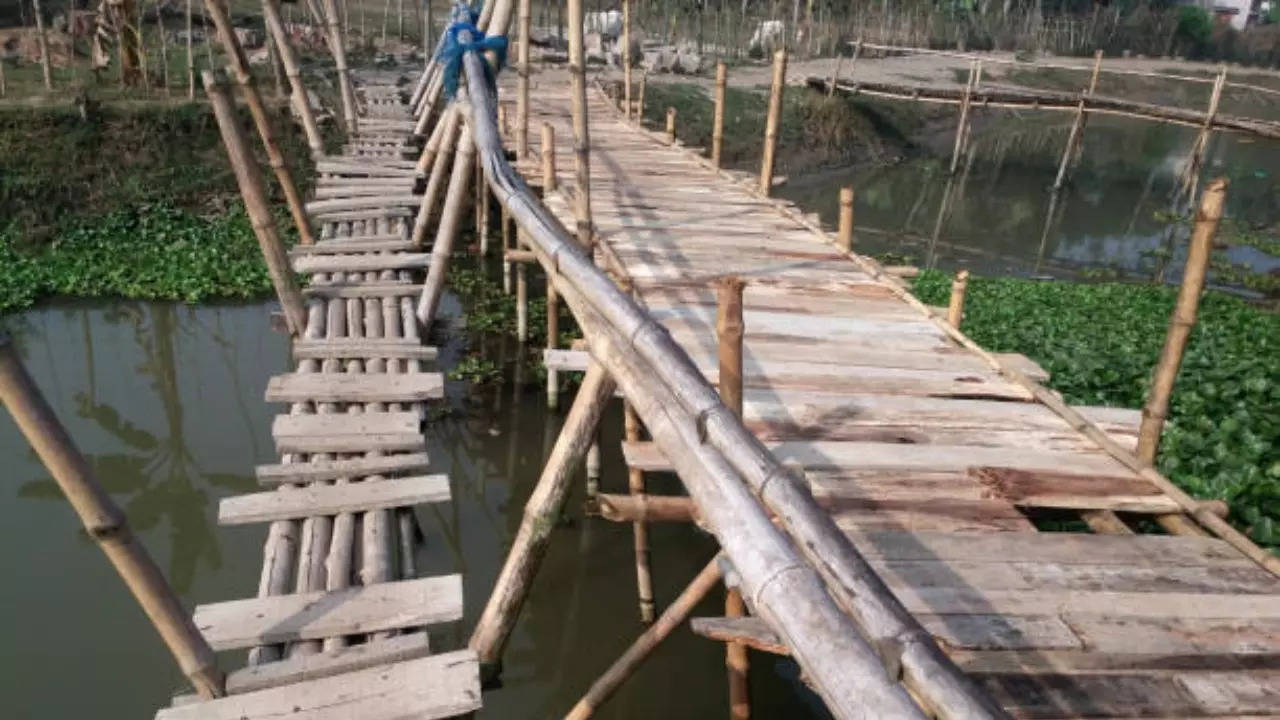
(772, 121)
(845, 228)
(581, 134)
(729, 332)
(340, 60)
(1183, 320)
(640, 530)
(541, 514)
(522, 75)
(43, 38)
(548, 159)
(239, 64)
(717, 128)
(106, 524)
(626, 59)
(955, 308)
(255, 202)
(671, 125)
(298, 92)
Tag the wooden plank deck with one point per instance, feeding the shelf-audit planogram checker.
(938, 468)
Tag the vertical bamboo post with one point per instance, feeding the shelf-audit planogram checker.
(845, 228)
(553, 340)
(962, 126)
(772, 121)
(164, 49)
(548, 158)
(522, 302)
(624, 666)
(1191, 170)
(106, 524)
(644, 78)
(729, 332)
(301, 104)
(626, 59)
(340, 60)
(640, 530)
(142, 48)
(581, 133)
(255, 201)
(671, 125)
(244, 77)
(522, 91)
(717, 127)
(955, 308)
(191, 58)
(1075, 139)
(42, 38)
(541, 514)
(1183, 320)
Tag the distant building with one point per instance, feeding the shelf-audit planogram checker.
(1236, 13)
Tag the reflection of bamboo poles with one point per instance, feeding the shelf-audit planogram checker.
(627, 60)
(106, 524)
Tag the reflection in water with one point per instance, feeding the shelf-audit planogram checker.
(997, 215)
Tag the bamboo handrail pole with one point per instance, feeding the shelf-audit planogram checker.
(439, 166)
(729, 332)
(626, 60)
(639, 530)
(447, 230)
(581, 133)
(541, 513)
(523, 68)
(622, 668)
(255, 201)
(845, 227)
(1183, 320)
(298, 91)
(431, 148)
(955, 307)
(106, 523)
(772, 120)
(339, 52)
(717, 123)
(42, 38)
(239, 64)
(816, 534)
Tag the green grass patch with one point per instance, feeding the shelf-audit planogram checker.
(1100, 344)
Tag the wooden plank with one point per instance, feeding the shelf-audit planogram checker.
(1126, 493)
(1024, 365)
(351, 387)
(321, 207)
(337, 216)
(1228, 636)
(410, 348)
(320, 499)
(381, 288)
(966, 601)
(437, 686)
(314, 615)
(1120, 695)
(378, 651)
(1218, 693)
(1089, 661)
(981, 631)
(359, 262)
(316, 471)
(751, 631)
(341, 433)
(359, 245)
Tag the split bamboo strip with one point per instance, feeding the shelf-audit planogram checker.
(339, 53)
(255, 201)
(447, 230)
(581, 133)
(42, 37)
(955, 308)
(845, 228)
(729, 332)
(717, 125)
(626, 59)
(625, 666)
(640, 530)
(301, 104)
(541, 513)
(1183, 320)
(106, 523)
(244, 77)
(772, 121)
(523, 69)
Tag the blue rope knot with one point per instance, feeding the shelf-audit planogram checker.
(452, 50)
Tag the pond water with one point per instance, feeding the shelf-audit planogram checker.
(997, 214)
(166, 402)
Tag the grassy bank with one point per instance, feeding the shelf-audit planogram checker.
(1100, 343)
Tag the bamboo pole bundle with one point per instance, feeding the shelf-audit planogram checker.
(845, 228)
(522, 91)
(955, 308)
(42, 37)
(581, 133)
(729, 333)
(447, 230)
(672, 617)
(717, 123)
(640, 530)
(255, 201)
(772, 121)
(339, 52)
(541, 513)
(244, 77)
(1183, 320)
(298, 91)
(106, 524)
(626, 59)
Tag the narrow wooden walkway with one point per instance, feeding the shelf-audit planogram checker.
(339, 626)
(935, 464)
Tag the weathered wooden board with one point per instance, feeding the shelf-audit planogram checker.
(377, 651)
(318, 470)
(381, 288)
(438, 686)
(313, 615)
(320, 499)
(344, 433)
(359, 262)
(363, 348)
(354, 245)
(1126, 493)
(353, 387)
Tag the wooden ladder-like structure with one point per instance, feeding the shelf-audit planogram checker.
(338, 628)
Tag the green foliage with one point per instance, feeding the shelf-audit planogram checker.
(1100, 344)
(1194, 25)
(476, 369)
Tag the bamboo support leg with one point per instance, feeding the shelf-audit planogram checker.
(581, 133)
(626, 665)
(553, 341)
(447, 231)
(772, 121)
(522, 89)
(717, 126)
(962, 126)
(644, 79)
(671, 125)
(640, 530)
(729, 331)
(955, 308)
(522, 302)
(845, 228)
(106, 523)
(507, 235)
(592, 466)
(540, 516)
(548, 159)
(482, 211)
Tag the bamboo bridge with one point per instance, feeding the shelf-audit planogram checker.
(875, 479)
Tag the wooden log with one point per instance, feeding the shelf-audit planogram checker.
(447, 230)
(256, 204)
(844, 236)
(548, 158)
(581, 133)
(239, 64)
(42, 39)
(626, 665)
(955, 308)
(717, 124)
(298, 91)
(339, 52)
(671, 125)
(772, 121)
(106, 524)
(541, 514)
(523, 68)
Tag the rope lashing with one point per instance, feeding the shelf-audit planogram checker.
(452, 49)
